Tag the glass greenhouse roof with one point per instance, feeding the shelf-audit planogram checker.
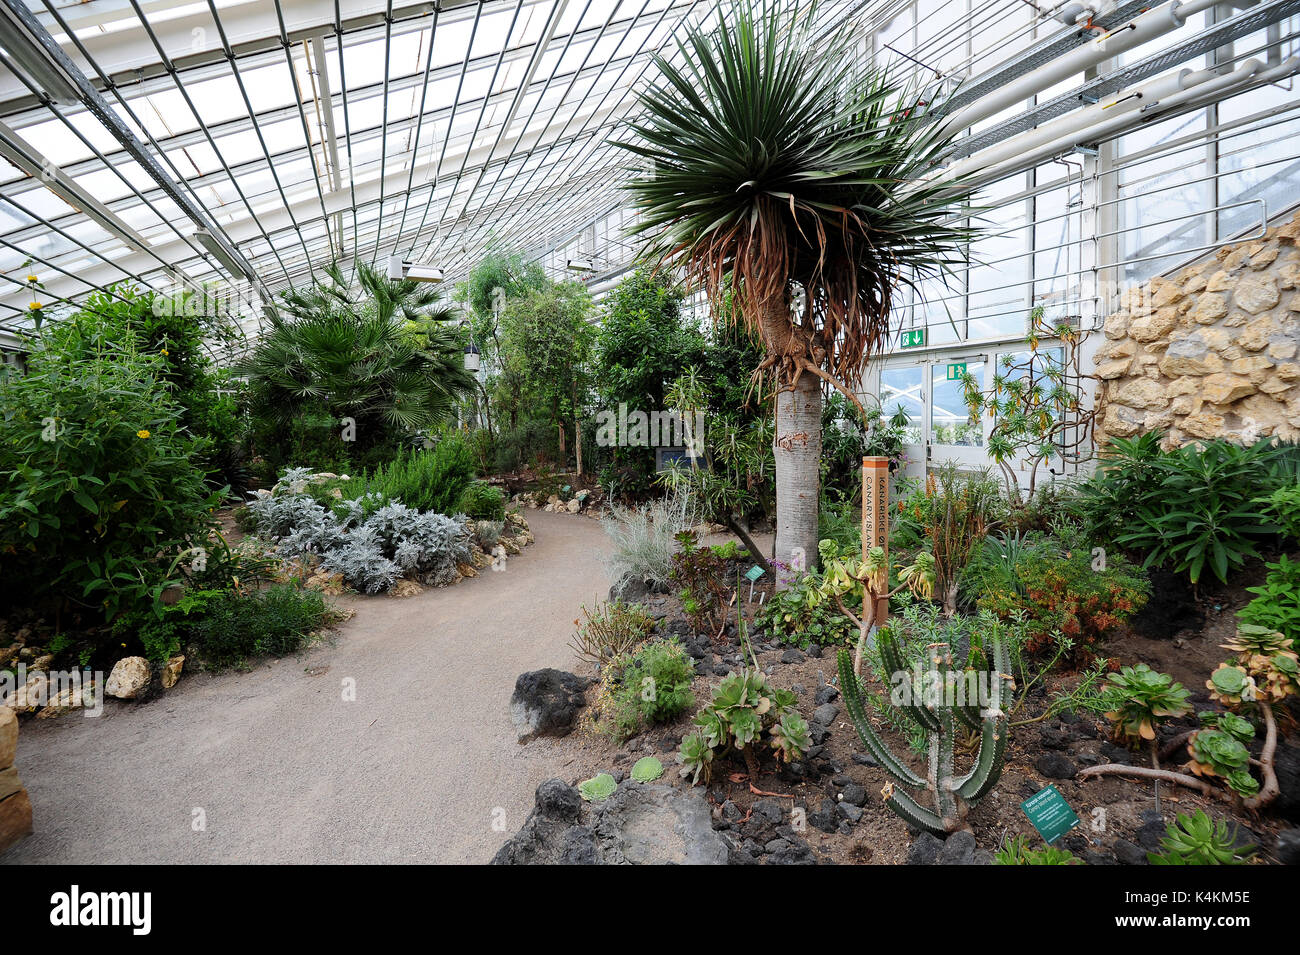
(247, 143)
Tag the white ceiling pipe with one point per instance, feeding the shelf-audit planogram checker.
(1115, 105)
(1205, 89)
(1147, 26)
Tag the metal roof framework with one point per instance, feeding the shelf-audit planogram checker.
(243, 144)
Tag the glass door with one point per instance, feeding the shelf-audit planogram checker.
(902, 388)
(955, 436)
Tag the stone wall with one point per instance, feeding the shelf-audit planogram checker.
(15, 807)
(1210, 351)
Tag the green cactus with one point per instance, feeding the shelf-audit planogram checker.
(940, 718)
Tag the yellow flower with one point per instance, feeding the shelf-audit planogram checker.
(166, 352)
(32, 278)
(35, 306)
(142, 434)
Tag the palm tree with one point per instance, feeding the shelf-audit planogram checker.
(380, 352)
(789, 164)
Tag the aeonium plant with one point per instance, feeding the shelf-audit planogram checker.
(1138, 699)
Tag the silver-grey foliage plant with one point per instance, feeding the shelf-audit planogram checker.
(370, 552)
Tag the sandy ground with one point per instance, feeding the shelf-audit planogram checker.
(273, 765)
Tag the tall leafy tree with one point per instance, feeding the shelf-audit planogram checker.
(788, 165)
(546, 341)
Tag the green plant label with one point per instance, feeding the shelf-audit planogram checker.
(957, 371)
(913, 338)
(1050, 814)
(754, 573)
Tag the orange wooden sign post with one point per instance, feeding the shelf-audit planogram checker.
(875, 525)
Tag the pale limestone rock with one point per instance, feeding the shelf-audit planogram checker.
(171, 671)
(1185, 405)
(1116, 325)
(1163, 292)
(1210, 307)
(1282, 348)
(129, 678)
(1219, 282)
(1142, 393)
(1263, 257)
(1156, 325)
(1256, 335)
(1112, 369)
(1121, 422)
(1203, 425)
(1255, 294)
(1225, 389)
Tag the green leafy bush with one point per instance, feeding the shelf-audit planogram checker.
(1065, 589)
(427, 480)
(1189, 509)
(1276, 604)
(743, 708)
(650, 686)
(800, 615)
(1283, 508)
(99, 495)
(1196, 839)
(276, 622)
(481, 501)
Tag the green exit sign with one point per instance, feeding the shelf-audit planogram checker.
(1050, 814)
(957, 371)
(914, 338)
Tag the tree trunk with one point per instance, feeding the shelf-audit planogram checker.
(798, 451)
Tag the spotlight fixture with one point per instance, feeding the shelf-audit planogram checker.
(398, 270)
(580, 265)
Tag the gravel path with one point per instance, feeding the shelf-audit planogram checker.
(422, 767)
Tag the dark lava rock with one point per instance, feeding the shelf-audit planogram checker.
(826, 694)
(849, 811)
(1286, 763)
(825, 714)
(818, 732)
(638, 825)
(1150, 834)
(1128, 854)
(924, 850)
(815, 651)
(1055, 766)
(865, 759)
(793, 852)
(854, 795)
(792, 656)
(1116, 754)
(824, 818)
(546, 702)
(958, 849)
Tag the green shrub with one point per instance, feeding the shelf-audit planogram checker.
(800, 616)
(99, 495)
(613, 629)
(650, 686)
(1283, 508)
(1276, 604)
(274, 622)
(1068, 589)
(427, 480)
(483, 502)
(1189, 509)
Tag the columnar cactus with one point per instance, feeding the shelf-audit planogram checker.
(939, 710)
